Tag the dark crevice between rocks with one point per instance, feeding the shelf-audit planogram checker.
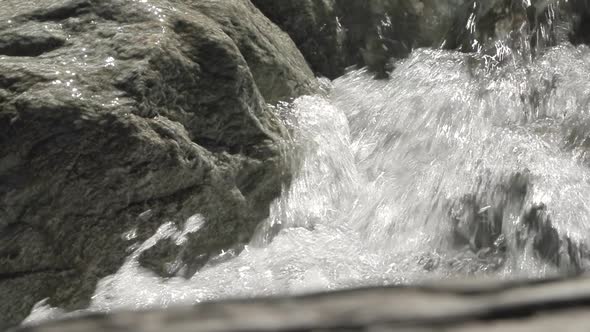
(65, 11)
(314, 28)
(21, 274)
(28, 46)
(20, 82)
(373, 32)
(217, 146)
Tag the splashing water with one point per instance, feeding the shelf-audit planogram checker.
(398, 178)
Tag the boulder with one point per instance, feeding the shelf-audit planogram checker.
(117, 116)
(278, 67)
(315, 29)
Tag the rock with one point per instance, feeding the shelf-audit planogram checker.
(464, 305)
(117, 116)
(371, 32)
(314, 27)
(580, 21)
(527, 29)
(477, 218)
(537, 231)
(278, 67)
(478, 224)
(335, 34)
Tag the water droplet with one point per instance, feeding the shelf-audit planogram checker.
(110, 62)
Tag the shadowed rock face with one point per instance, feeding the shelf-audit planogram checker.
(371, 32)
(315, 28)
(117, 116)
(580, 18)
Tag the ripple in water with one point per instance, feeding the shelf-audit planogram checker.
(443, 171)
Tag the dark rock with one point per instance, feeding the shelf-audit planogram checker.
(580, 18)
(378, 30)
(32, 40)
(162, 258)
(526, 29)
(120, 115)
(314, 27)
(339, 33)
(477, 218)
(537, 230)
(478, 224)
(371, 32)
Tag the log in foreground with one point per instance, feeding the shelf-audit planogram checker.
(459, 306)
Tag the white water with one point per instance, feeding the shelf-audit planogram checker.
(381, 164)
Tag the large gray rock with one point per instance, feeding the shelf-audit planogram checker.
(117, 116)
(278, 68)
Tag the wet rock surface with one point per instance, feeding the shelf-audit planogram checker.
(481, 224)
(117, 116)
(314, 27)
(464, 306)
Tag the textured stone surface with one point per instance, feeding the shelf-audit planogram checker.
(117, 116)
(314, 27)
(458, 306)
(279, 69)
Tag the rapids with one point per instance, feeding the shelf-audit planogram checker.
(388, 172)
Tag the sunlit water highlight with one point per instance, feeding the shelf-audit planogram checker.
(382, 167)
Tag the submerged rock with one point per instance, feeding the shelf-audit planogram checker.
(118, 116)
(482, 223)
(537, 232)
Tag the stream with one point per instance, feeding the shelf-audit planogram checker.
(458, 165)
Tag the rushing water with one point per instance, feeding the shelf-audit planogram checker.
(396, 175)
